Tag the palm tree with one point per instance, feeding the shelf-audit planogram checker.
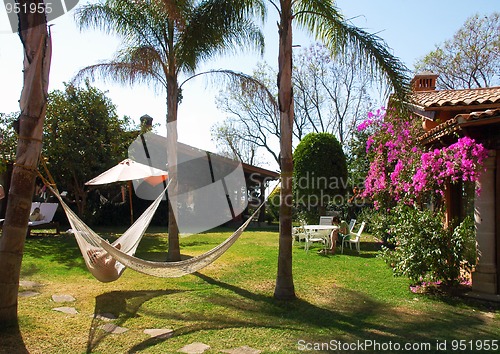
(161, 40)
(322, 19)
(37, 47)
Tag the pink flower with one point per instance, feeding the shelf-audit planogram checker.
(395, 157)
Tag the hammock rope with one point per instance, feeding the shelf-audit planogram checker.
(107, 261)
(99, 262)
(179, 268)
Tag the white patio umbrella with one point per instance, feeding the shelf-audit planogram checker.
(127, 171)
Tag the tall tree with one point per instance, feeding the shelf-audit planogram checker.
(253, 113)
(471, 59)
(160, 41)
(86, 118)
(330, 96)
(325, 22)
(37, 47)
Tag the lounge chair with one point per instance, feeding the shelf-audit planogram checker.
(47, 212)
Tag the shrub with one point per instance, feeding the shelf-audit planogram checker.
(425, 251)
(320, 173)
(379, 223)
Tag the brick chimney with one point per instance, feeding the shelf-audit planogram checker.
(425, 81)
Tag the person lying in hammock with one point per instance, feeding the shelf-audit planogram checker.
(102, 260)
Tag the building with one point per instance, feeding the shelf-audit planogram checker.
(447, 115)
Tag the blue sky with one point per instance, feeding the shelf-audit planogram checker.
(410, 28)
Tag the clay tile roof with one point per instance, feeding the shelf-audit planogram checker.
(468, 97)
(442, 129)
(453, 124)
(478, 115)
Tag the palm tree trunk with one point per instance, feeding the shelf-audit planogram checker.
(37, 54)
(174, 253)
(284, 281)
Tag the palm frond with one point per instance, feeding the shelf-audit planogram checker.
(248, 82)
(328, 25)
(218, 27)
(119, 72)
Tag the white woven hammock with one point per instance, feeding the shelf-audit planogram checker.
(102, 266)
(107, 261)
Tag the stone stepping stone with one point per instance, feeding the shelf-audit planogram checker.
(67, 310)
(159, 332)
(28, 293)
(105, 316)
(112, 328)
(63, 298)
(242, 350)
(194, 348)
(29, 284)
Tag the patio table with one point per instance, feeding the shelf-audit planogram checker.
(325, 236)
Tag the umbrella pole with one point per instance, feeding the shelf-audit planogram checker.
(130, 202)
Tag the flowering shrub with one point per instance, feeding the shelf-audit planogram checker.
(400, 170)
(401, 174)
(425, 251)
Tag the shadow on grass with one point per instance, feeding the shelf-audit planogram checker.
(11, 339)
(368, 250)
(122, 305)
(62, 249)
(360, 319)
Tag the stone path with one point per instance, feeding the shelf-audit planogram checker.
(28, 293)
(194, 348)
(160, 333)
(31, 285)
(63, 298)
(112, 328)
(105, 316)
(66, 310)
(242, 350)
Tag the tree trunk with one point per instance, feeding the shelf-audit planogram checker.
(174, 253)
(37, 54)
(284, 281)
(80, 198)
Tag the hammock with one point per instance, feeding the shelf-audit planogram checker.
(102, 266)
(180, 268)
(108, 261)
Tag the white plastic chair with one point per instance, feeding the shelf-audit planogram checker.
(354, 238)
(299, 233)
(351, 225)
(325, 220)
(318, 236)
(47, 211)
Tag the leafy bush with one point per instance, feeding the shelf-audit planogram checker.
(379, 223)
(425, 251)
(320, 173)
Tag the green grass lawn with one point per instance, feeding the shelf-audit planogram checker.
(349, 299)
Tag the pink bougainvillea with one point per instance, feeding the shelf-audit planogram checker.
(402, 170)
